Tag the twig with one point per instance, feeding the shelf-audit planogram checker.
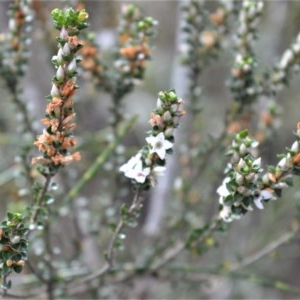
(38, 203)
(168, 255)
(171, 253)
(81, 282)
(36, 273)
(264, 251)
(133, 207)
(262, 280)
(49, 255)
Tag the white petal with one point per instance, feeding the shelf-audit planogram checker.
(222, 189)
(266, 195)
(151, 140)
(167, 145)
(161, 152)
(258, 203)
(225, 214)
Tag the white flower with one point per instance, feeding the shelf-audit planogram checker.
(263, 195)
(225, 214)
(222, 189)
(159, 145)
(134, 169)
(131, 163)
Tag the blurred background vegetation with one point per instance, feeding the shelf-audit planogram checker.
(279, 26)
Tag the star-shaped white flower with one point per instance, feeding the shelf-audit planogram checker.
(134, 169)
(159, 145)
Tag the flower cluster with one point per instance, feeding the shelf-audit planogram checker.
(246, 184)
(242, 82)
(290, 60)
(269, 120)
(135, 34)
(241, 188)
(203, 30)
(201, 37)
(13, 253)
(15, 53)
(58, 137)
(92, 62)
(150, 161)
(281, 176)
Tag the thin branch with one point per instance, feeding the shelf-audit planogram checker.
(81, 282)
(262, 252)
(39, 201)
(133, 207)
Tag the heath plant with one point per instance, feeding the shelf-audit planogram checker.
(76, 186)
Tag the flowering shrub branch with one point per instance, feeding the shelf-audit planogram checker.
(80, 245)
(150, 160)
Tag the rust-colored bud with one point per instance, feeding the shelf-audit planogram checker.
(218, 17)
(5, 248)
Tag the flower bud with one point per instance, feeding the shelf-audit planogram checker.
(175, 107)
(265, 179)
(59, 57)
(281, 185)
(9, 262)
(243, 149)
(256, 163)
(235, 158)
(242, 189)
(60, 74)
(295, 147)
(159, 103)
(5, 248)
(54, 91)
(66, 49)
(239, 179)
(15, 239)
(83, 15)
(64, 34)
(250, 177)
(283, 163)
(169, 132)
(241, 164)
(167, 116)
(21, 263)
(72, 66)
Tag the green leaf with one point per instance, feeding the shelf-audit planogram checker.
(242, 134)
(17, 269)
